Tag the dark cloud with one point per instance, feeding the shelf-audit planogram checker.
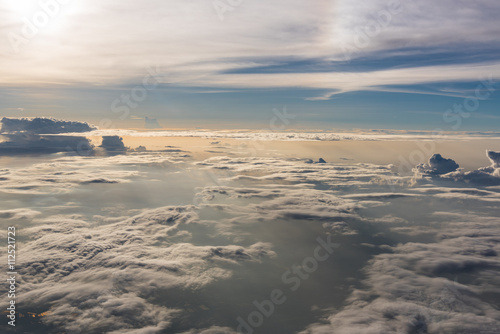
(101, 180)
(39, 136)
(486, 176)
(113, 144)
(26, 143)
(41, 125)
(320, 161)
(437, 166)
(494, 158)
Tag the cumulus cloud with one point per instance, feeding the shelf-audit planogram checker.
(446, 169)
(40, 136)
(494, 158)
(113, 144)
(47, 135)
(483, 176)
(437, 165)
(40, 125)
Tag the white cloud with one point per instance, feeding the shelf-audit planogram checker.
(296, 135)
(104, 278)
(18, 144)
(406, 290)
(251, 35)
(146, 273)
(445, 168)
(18, 214)
(113, 144)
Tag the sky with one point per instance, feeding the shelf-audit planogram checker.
(227, 64)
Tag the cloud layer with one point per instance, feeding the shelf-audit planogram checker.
(414, 257)
(250, 47)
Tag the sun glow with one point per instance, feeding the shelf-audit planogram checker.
(22, 8)
(47, 17)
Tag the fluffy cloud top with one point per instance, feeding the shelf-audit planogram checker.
(494, 158)
(446, 169)
(43, 136)
(437, 165)
(113, 144)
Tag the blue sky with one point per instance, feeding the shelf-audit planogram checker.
(333, 64)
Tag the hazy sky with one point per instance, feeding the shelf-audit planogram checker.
(374, 64)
